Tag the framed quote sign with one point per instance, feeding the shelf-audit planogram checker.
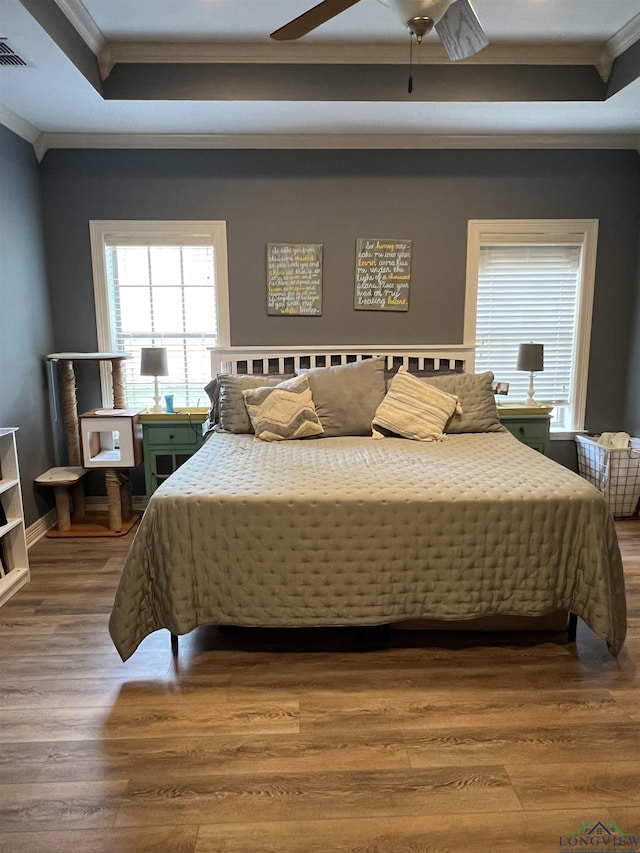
(294, 279)
(383, 274)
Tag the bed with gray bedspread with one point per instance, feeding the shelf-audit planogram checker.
(357, 531)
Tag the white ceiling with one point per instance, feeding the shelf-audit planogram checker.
(51, 103)
(369, 20)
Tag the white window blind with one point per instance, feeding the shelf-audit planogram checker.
(533, 280)
(160, 287)
(529, 293)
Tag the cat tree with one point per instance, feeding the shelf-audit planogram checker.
(120, 514)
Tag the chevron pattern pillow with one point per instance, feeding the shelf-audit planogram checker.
(284, 411)
(412, 409)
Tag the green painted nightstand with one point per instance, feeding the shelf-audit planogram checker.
(168, 440)
(529, 424)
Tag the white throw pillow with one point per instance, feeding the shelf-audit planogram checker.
(283, 411)
(414, 410)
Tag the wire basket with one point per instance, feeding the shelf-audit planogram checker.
(614, 471)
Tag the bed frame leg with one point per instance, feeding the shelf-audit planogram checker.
(174, 645)
(572, 629)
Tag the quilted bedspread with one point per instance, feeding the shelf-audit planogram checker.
(358, 531)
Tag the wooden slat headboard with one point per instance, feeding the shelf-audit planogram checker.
(265, 359)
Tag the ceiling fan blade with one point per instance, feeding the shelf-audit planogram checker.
(308, 21)
(460, 31)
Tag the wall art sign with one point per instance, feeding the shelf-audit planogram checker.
(294, 279)
(383, 274)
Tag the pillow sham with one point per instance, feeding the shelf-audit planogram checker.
(283, 412)
(413, 409)
(346, 396)
(213, 393)
(231, 409)
(475, 393)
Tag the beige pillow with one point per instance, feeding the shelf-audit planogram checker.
(346, 396)
(413, 409)
(283, 412)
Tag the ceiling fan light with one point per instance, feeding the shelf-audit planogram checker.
(412, 9)
(420, 26)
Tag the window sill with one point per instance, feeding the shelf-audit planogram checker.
(565, 434)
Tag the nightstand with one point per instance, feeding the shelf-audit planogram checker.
(168, 440)
(529, 424)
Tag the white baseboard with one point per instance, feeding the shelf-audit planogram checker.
(38, 529)
(99, 502)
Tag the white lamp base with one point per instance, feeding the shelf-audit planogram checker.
(156, 408)
(530, 401)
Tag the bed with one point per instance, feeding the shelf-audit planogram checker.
(355, 530)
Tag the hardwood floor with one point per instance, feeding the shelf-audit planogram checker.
(307, 741)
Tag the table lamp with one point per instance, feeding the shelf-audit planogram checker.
(531, 358)
(153, 362)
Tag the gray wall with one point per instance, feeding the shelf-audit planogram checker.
(326, 197)
(26, 332)
(333, 197)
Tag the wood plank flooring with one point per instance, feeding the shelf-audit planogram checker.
(304, 741)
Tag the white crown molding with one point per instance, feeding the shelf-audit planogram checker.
(374, 141)
(624, 38)
(76, 13)
(604, 65)
(19, 125)
(617, 44)
(380, 53)
(105, 60)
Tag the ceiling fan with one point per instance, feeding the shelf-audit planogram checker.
(455, 22)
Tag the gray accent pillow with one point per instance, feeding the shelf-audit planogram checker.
(213, 393)
(346, 396)
(232, 412)
(475, 393)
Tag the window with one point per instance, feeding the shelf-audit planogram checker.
(533, 280)
(161, 284)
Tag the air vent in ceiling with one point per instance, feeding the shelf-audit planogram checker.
(8, 56)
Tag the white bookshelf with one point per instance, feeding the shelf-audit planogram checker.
(15, 571)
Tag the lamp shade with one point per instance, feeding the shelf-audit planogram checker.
(530, 357)
(153, 361)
